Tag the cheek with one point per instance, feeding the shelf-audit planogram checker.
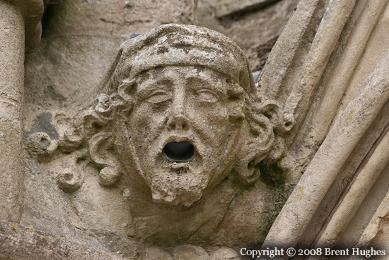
(146, 119)
(213, 116)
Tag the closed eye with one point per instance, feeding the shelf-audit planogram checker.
(206, 95)
(158, 96)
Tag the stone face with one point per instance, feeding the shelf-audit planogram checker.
(183, 99)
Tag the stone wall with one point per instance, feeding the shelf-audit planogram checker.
(325, 80)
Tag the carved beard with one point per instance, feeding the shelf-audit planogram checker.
(180, 182)
(178, 188)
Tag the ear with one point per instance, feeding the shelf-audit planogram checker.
(257, 143)
(102, 153)
(126, 89)
(259, 139)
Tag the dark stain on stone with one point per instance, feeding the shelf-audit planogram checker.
(54, 94)
(272, 174)
(43, 123)
(162, 49)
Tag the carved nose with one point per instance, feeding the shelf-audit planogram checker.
(178, 122)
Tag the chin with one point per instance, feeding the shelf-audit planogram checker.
(176, 176)
(179, 186)
(180, 170)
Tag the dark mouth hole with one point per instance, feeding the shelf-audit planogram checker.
(179, 151)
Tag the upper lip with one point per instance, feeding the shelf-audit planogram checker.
(178, 138)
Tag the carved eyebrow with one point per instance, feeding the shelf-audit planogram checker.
(150, 75)
(148, 78)
(205, 81)
(150, 85)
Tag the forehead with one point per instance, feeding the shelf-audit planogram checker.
(181, 73)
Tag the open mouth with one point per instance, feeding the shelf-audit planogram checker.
(179, 151)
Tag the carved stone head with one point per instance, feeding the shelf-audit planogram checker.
(181, 111)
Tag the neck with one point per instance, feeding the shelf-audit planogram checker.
(165, 224)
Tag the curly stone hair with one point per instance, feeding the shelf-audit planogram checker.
(264, 147)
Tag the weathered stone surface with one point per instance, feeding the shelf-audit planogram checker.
(345, 119)
(155, 253)
(255, 31)
(187, 252)
(178, 153)
(11, 96)
(18, 21)
(228, 7)
(79, 42)
(193, 89)
(75, 29)
(224, 253)
(32, 11)
(20, 242)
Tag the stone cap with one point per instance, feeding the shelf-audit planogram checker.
(32, 11)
